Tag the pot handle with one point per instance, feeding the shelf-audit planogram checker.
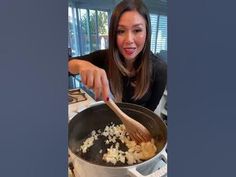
(158, 173)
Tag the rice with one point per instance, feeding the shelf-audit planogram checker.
(135, 153)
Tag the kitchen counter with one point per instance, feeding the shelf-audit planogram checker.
(74, 108)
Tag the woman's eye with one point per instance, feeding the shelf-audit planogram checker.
(138, 30)
(120, 31)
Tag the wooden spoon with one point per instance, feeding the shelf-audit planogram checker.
(136, 131)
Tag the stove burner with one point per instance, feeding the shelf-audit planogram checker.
(75, 96)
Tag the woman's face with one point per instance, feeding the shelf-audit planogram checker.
(131, 35)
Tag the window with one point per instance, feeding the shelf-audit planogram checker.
(154, 24)
(88, 30)
(73, 36)
(159, 33)
(162, 34)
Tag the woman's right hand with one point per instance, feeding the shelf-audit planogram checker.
(92, 77)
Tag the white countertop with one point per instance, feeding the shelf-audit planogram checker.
(74, 108)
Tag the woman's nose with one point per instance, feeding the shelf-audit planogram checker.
(129, 37)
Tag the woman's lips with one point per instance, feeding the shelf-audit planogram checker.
(129, 51)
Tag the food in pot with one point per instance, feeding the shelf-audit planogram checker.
(117, 136)
(89, 141)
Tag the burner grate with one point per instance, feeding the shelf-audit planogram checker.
(75, 96)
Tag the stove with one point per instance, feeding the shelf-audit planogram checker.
(75, 96)
(80, 100)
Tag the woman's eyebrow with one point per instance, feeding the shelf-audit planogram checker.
(136, 25)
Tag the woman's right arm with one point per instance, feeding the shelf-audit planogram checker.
(92, 77)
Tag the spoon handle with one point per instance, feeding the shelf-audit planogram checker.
(116, 109)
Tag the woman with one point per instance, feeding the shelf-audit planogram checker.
(127, 69)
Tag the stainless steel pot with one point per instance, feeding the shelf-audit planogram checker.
(97, 117)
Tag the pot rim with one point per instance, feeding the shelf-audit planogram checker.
(121, 167)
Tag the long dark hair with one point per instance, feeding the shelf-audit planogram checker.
(116, 62)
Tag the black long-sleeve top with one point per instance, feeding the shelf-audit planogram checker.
(157, 85)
